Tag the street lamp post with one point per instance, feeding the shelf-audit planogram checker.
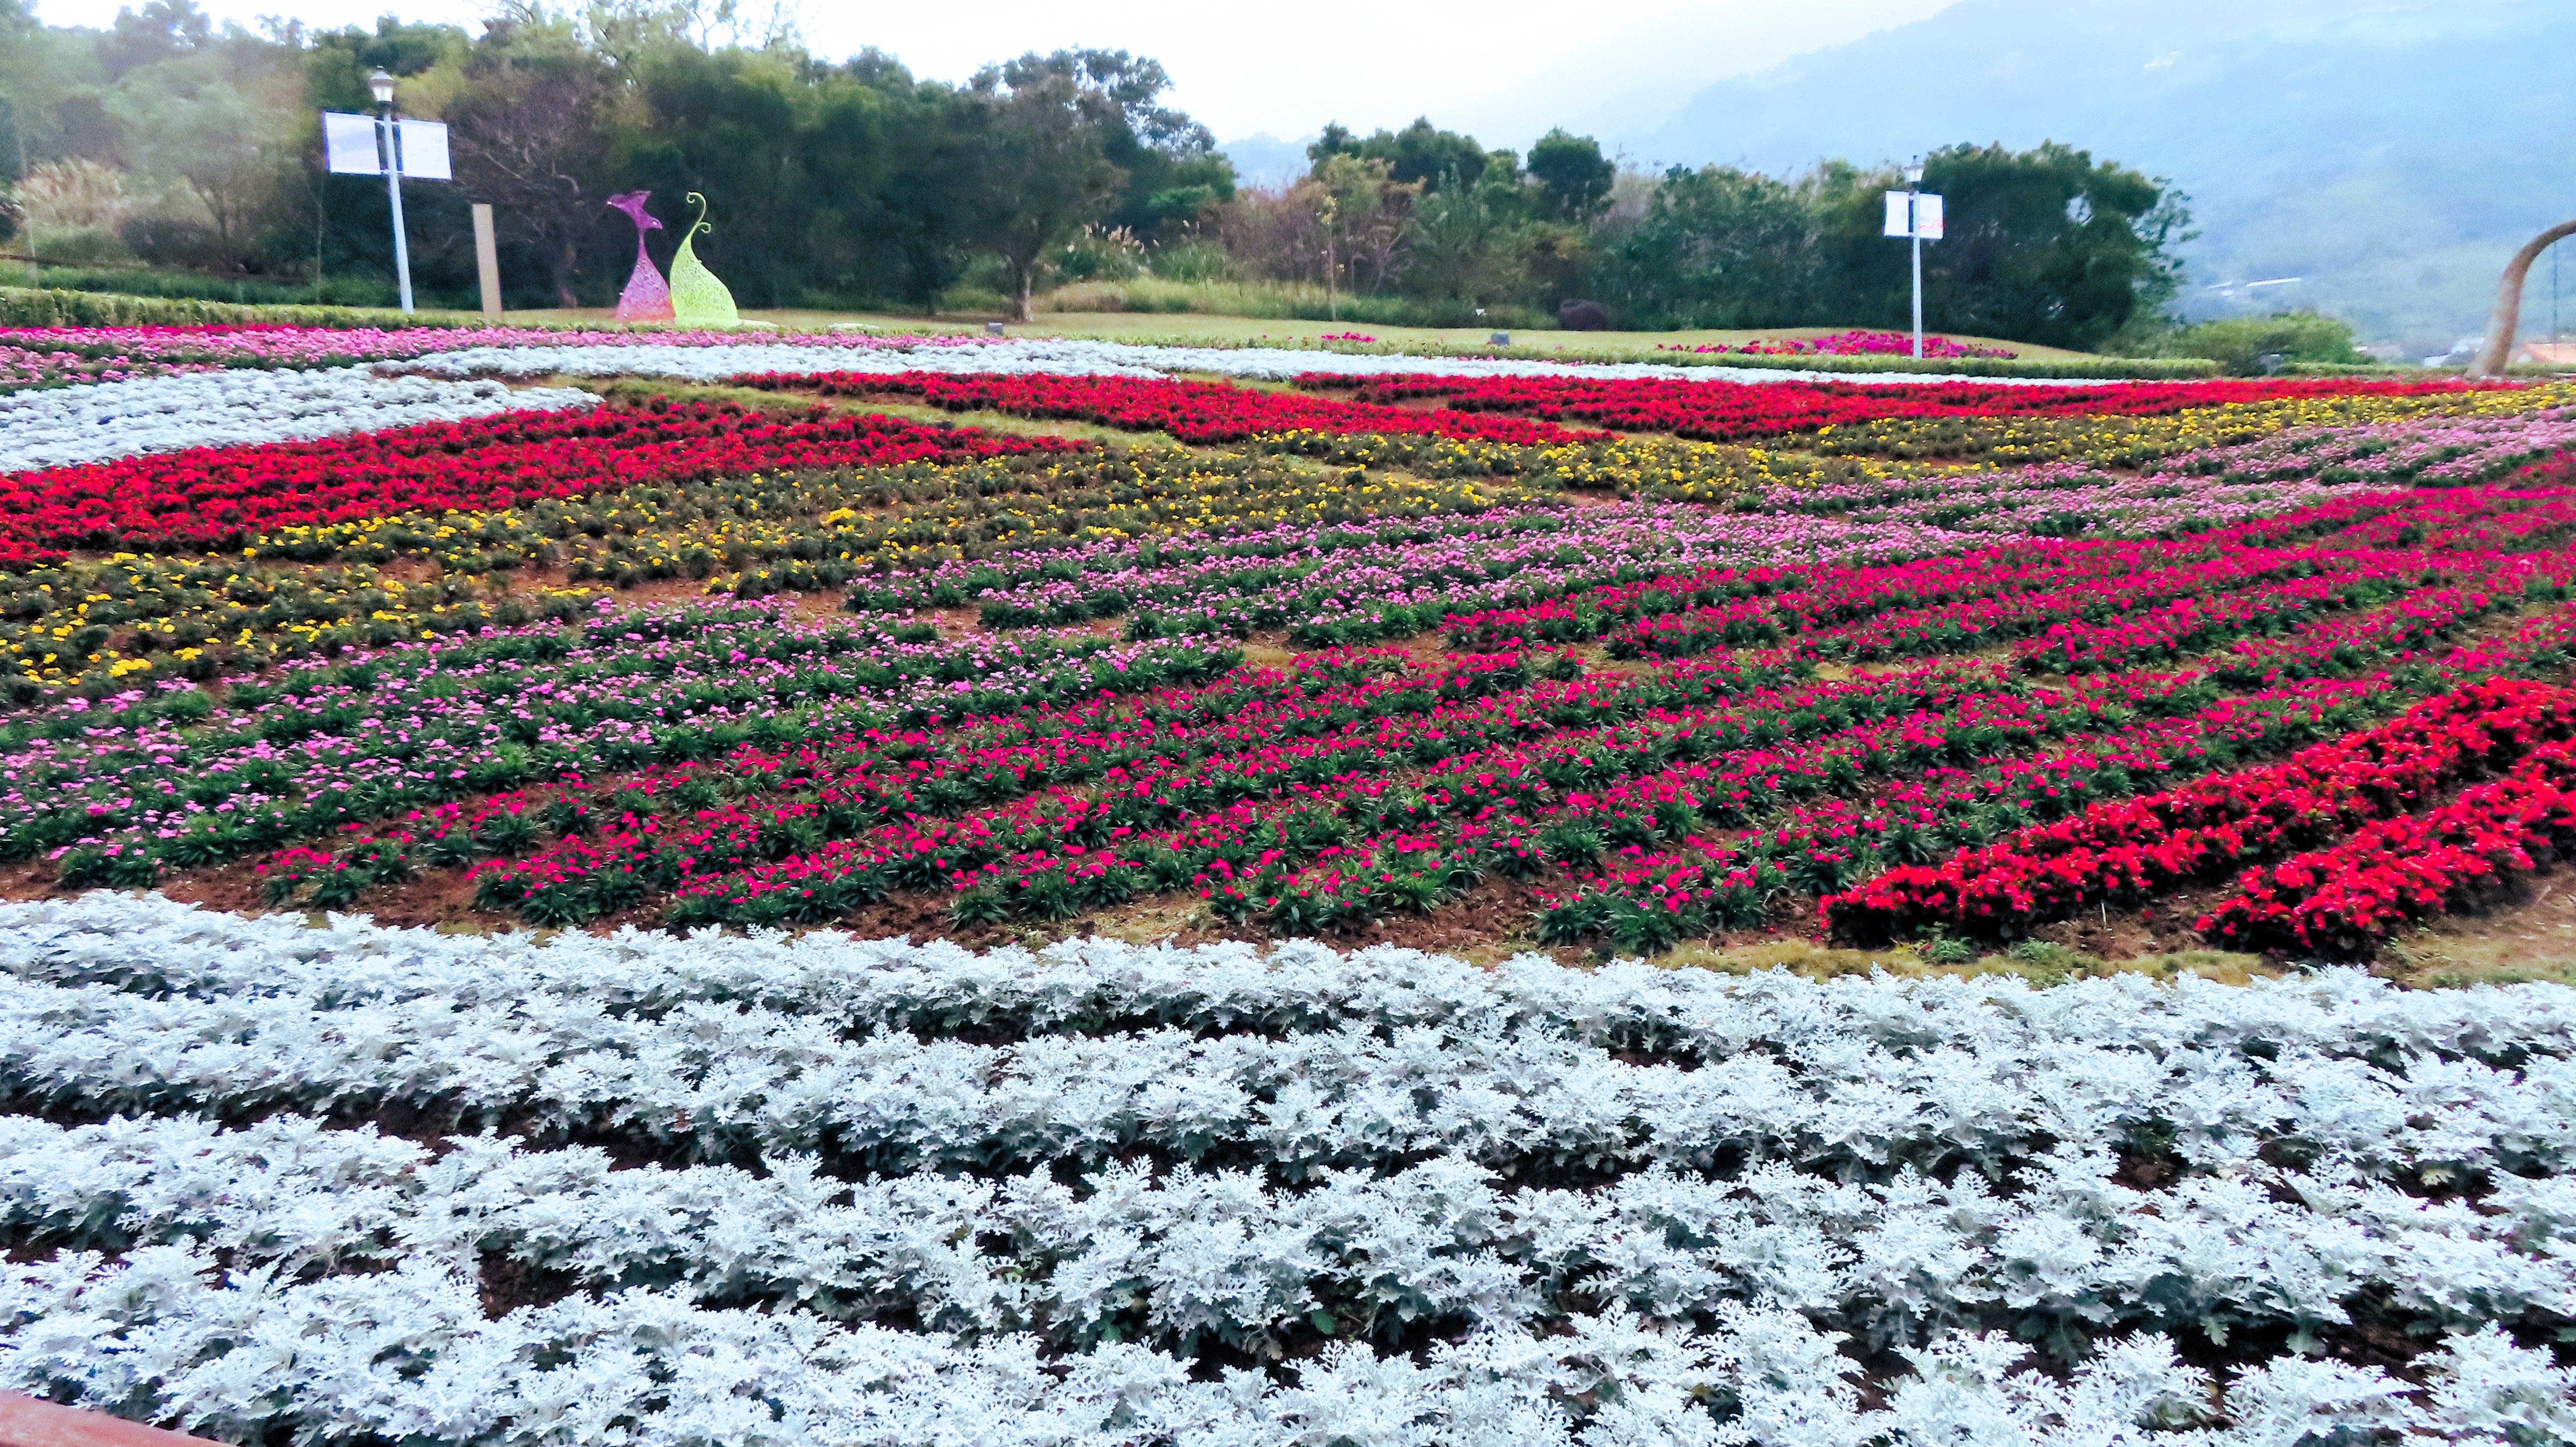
(1913, 188)
(381, 85)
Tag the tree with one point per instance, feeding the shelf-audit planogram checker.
(161, 30)
(1719, 247)
(1372, 214)
(1466, 245)
(185, 121)
(1045, 161)
(1421, 153)
(528, 135)
(1573, 176)
(2045, 245)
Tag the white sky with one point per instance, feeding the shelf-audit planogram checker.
(1503, 69)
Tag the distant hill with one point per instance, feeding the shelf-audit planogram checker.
(1266, 160)
(2391, 154)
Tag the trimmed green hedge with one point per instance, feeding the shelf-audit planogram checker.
(22, 306)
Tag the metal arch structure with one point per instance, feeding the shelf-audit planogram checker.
(2507, 321)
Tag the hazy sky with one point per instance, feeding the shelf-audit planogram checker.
(1504, 69)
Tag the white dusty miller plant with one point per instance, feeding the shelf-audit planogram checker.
(342, 1183)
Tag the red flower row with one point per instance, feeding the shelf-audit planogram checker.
(217, 496)
(1734, 411)
(1194, 412)
(2124, 850)
(2347, 898)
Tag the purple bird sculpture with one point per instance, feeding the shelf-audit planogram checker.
(647, 297)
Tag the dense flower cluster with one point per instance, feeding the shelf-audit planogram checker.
(675, 1190)
(1305, 665)
(2122, 851)
(1850, 344)
(1200, 412)
(1734, 411)
(111, 420)
(218, 496)
(1776, 730)
(39, 355)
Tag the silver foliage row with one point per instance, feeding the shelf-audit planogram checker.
(658, 1189)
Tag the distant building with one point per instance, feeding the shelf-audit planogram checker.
(2548, 354)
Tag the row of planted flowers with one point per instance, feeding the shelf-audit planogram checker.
(1381, 812)
(771, 1190)
(1056, 535)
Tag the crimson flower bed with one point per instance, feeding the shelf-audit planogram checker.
(1735, 411)
(2125, 850)
(2344, 899)
(1194, 412)
(213, 497)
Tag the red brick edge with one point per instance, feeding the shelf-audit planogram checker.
(26, 1422)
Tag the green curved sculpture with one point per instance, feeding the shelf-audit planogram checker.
(697, 298)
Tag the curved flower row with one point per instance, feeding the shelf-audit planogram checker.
(1735, 411)
(218, 496)
(2121, 851)
(1194, 412)
(108, 420)
(2387, 874)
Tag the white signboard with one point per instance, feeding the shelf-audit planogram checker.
(349, 144)
(1913, 213)
(424, 151)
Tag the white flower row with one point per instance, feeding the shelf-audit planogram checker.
(156, 945)
(1186, 1257)
(720, 1078)
(1074, 357)
(96, 423)
(409, 1354)
(1535, 1205)
(307, 1298)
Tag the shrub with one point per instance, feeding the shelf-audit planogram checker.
(2240, 344)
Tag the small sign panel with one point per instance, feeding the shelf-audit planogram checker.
(1913, 213)
(424, 151)
(349, 144)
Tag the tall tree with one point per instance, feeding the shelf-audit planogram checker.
(1046, 165)
(528, 134)
(186, 121)
(1421, 152)
(1719, 247)
(2045, 245)
(1572, 175)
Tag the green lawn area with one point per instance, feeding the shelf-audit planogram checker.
(1192, 327)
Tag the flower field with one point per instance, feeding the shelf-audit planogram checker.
(620, 656)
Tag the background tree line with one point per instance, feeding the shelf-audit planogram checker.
(168, 142)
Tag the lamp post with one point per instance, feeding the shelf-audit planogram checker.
(381, 85)
(1913, 188)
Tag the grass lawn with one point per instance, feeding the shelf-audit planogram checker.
(1197, 327)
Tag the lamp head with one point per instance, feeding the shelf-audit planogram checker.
(1914, 172)
(381, 85)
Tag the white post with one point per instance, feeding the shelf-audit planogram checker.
(1914, 224)
(393, 189)
(487, 259)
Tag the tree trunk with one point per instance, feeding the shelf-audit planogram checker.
(1028, 280)
(564, 262)
(2506, 324)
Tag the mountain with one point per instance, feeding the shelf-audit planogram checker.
(1266, 160)
(2389, 153)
